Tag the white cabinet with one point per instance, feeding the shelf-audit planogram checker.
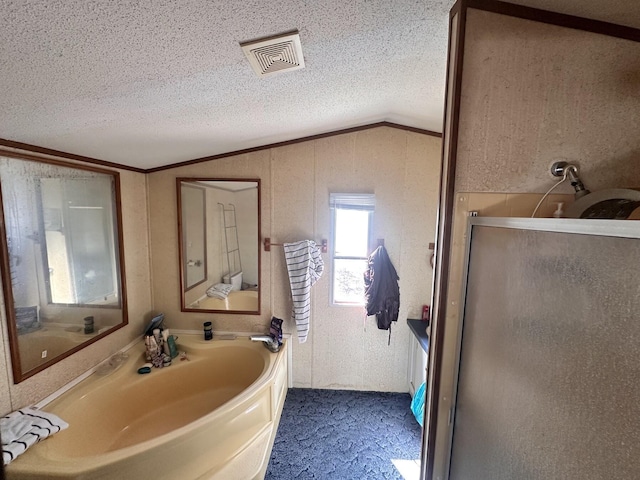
(418, 358)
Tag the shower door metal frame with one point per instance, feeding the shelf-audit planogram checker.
(596, 227)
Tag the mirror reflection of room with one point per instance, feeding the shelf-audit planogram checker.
(219, 244)
(78, 231)
(62, 268)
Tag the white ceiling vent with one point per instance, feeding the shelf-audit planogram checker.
(281, 53)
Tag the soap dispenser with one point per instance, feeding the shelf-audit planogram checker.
(559, 213)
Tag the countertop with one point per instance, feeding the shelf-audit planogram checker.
(419, 329)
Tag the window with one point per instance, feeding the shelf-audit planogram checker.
(352, 221)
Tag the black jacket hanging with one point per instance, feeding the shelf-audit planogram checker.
(381, 289)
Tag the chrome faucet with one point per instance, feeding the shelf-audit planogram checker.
(269, 342)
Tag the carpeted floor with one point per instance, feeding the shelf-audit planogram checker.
(343, 435)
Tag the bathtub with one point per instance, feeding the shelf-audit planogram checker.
(212, 417)
(42, 345)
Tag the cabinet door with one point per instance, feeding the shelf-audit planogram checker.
(417, 366)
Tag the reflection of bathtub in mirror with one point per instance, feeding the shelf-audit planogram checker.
(40, 346)
(245, 300)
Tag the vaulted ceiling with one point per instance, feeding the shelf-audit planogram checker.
(156, 82)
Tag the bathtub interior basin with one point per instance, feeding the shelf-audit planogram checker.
(198, 417)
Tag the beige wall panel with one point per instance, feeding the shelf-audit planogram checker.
(380, 162)
(534, 93)
(620, 12)
(380, 157)
(421, 192)
(5, 363)
(349, 352)
(293, 210)
(165, 272)
(410, 223)
(136, 244)
(296, 181)
(339, 356)
(386, 366)
(164, 245)
(335, 173)
(292, 217)
(136, 250)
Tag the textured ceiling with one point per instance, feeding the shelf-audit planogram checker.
(155, 82)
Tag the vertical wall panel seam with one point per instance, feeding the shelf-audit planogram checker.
(314, 311)
(149, 249)
(363, 338)
(272, 268)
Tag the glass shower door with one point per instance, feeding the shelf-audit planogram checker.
(549, 372)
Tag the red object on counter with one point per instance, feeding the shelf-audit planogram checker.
(426, 310)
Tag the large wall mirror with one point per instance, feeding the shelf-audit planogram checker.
(62, 260)
(219, 228)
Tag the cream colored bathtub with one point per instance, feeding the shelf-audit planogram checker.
(212, 417)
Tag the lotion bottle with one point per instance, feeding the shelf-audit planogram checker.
(165, 342)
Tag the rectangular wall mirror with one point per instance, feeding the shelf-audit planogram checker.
(62, 261)
(219, 229)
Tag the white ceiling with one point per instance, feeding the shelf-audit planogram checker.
(155, 82)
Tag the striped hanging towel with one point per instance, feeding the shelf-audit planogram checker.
(305, 266)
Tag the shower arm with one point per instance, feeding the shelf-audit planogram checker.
(564, 169)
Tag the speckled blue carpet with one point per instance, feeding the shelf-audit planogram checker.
(343, 435)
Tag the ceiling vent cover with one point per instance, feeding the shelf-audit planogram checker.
(281, 53)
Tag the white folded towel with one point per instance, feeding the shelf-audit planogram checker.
(219, 290)
(22, 428)
(219, 295)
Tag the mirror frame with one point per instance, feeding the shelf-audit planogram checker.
(5, 270)
(181, 250)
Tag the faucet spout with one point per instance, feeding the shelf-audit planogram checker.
(268, 341)
(261, 338)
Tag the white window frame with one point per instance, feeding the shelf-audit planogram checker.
(349, 201)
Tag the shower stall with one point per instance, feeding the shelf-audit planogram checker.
(548, 378)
